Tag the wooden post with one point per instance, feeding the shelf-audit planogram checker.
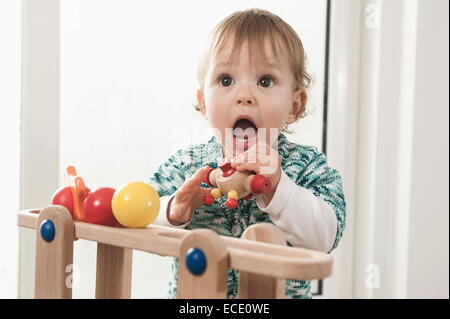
(253, 286)
(114, 266)
(212, 283)
(54, 257)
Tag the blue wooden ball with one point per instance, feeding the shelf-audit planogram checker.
(47, 230)
(195, 261)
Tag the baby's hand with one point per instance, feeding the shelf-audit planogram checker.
(188, 198)
(261, 159)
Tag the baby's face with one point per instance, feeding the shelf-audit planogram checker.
(261, 94)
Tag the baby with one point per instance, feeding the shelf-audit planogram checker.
(252, 84)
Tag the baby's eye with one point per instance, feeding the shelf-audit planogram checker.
(266, 81)
(225, 80)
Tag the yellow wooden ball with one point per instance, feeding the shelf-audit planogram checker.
(233, 194)
(216, 193)
(135, 204)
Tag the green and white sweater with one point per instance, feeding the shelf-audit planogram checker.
(308, 205)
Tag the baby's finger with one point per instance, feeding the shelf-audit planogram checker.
(205, 192)
(249, 154)
(240, 158)
(250, 158)
(254, 167)
(196, 179)
(174, 213)
(200, 174)
(179, 211)
(192, 183)
(262, 154)
(185, 191)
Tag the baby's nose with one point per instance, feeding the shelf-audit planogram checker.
(245, 101)
(245, 96)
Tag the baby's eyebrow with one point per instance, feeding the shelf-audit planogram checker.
(266, 64)
(271, 64)
(222, 64)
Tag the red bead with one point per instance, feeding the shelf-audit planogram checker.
(208, 199)
(231, 203)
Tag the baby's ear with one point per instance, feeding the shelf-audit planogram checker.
(298, 105)
(201, 103)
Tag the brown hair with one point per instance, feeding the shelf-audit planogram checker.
(254, 26)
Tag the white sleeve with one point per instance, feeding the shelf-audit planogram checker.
(161, 219)
(306, 220)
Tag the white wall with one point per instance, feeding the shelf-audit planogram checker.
(39, 122)
(429, 233)
(400, 212)
(10, 90)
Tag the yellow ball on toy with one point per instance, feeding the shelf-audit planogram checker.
(215, 193)
(233, 194)
(135, 204)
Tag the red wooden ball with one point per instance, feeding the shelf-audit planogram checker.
(63, 196)
(97, 207)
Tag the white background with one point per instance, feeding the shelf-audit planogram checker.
(10, 91)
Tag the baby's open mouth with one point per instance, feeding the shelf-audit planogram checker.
(244, 129)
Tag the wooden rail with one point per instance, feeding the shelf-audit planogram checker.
(247, 256)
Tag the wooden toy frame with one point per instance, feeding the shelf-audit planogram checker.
(261, 256)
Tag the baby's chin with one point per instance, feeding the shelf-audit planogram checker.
(232, 145)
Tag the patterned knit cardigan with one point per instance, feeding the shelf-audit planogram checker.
(304, 165)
